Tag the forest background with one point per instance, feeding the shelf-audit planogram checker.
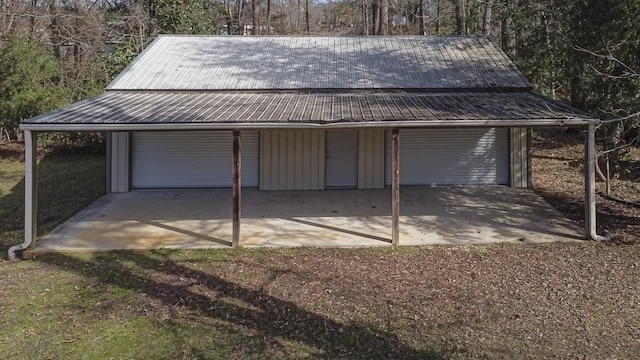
(583, 52)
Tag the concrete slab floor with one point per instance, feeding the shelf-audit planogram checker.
(151, 219)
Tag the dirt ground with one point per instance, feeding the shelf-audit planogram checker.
(558, 176)
(12, 151)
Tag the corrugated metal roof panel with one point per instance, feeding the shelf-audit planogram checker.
(175, 62)
(312, 107)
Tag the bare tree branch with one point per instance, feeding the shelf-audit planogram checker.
(628, 73)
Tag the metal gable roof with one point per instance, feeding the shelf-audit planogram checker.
(155, 110)
(174, 62)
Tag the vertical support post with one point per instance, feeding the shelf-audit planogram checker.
(30, 189)
(108, 138)
(119, 161)
(529, 158)
(590, 184)
(237, 167)
(395, 187)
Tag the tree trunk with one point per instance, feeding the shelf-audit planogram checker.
(461, 26)
(229, 16)
(268, 17)
(375, 12)
(298, 15)
(32, 21)
(438, 17)
(508, 41)
(423, 18)
(487, 17)
(151, 15)
(255, 17)
(365, 18)
(577, 83)
(240, 5)
(54, 28)
(77, 54)
(306, 16)
(383, 28)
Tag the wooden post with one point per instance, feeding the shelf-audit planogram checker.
(30, 188)
(237, 167)
(608, 178)
(395, 188)
(590, 184)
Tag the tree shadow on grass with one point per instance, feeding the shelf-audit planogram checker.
(67, 183)
(264, 319)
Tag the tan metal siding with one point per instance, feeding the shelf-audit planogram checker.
(292, 160)
(519, 157)
(191, 159)
(465, 156)
(119, 171)
(371, 159)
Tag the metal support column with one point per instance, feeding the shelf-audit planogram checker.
(590, 185)
(30, 194)
(237, 182)
(395, 187)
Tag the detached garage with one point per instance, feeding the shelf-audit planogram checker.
(315, 113)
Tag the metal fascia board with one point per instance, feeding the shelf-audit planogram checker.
(342, 125)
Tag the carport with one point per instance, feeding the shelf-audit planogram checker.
(385, 88)
(232, 210)
(437, 219)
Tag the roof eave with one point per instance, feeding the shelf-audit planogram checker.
(310, 125)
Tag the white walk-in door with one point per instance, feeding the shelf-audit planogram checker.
(191, 159)
(470, 156)
(342, 158)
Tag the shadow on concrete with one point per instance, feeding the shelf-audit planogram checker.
(186, 232)
(338, 229)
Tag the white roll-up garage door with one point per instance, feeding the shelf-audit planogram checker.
(471, 156)
(191, 159)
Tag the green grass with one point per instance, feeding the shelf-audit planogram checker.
(88, 307)
(66, 184)
(167, 305)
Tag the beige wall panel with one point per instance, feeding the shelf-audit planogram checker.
(519, 158)
(320, 169)
(371, 159)
(292, 160)
(306, 154)
(265, 154)
(119, 162)
(282, 145)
